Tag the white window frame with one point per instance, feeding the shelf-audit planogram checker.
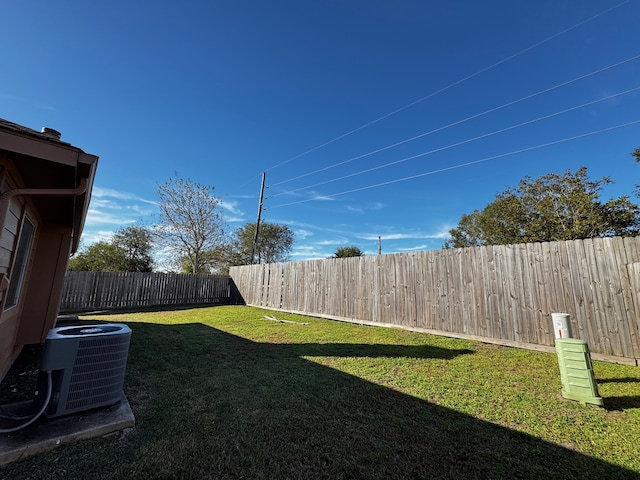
(20, 262)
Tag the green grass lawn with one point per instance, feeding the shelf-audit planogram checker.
(223, 393)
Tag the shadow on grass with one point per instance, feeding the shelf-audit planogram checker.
(619, 404)
(209, 404)
(618, 380)
(359, 350)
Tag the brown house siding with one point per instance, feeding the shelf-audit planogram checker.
(51, 255)
(12, 222)
(49, 182)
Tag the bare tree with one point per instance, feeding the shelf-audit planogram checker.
(190, 224)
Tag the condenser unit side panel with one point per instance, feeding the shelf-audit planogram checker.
(59, 355)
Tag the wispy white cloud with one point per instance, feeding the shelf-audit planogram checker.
(390, 236)
(243, 196)
(304, 194)
(99, 192)
(324, 198)
(339, 241)
(104, 203)
(236, 214)
(443, 233)
(413, 249)
(113, 209)
(99, 217)
(36, 104)
(43, 106)
(371, 206)
(114, 206)
(404, 236)
(302, 233)
(92, 236)
(139, 210)
(231, 206)
(311, 226)
(308, 252)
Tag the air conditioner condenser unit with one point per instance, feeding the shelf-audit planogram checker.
(87, 365)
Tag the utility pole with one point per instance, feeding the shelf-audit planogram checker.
(379, 245)
(255, 237)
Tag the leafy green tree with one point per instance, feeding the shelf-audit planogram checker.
(214, 261)
(350, 251)
(552, 207)
(273, 245)
(228, 255)
(129, 250)
(190, 222)
(136, 241)
(274, 241)
(99, 257)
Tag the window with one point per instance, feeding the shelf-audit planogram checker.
(20, 262)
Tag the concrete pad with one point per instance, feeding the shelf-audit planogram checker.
(45, 435)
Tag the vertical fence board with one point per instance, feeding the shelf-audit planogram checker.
(633, 272)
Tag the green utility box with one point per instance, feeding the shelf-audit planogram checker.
(576, 371)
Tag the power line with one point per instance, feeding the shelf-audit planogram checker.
(451, 85)
(463, 142)
(473, 117)
(461, 165)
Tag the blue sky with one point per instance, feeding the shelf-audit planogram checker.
(316, 93)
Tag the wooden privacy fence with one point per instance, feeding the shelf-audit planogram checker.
(104, 290)
(503, 294)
